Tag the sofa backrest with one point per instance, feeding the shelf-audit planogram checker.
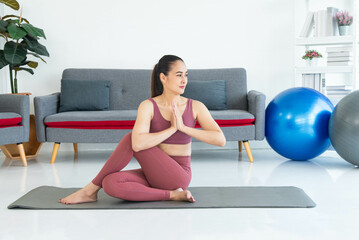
(129, 87)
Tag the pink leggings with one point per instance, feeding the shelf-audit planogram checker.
(159, 173)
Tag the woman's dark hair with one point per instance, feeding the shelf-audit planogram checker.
(163, 66)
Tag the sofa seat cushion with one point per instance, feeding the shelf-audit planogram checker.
(123, 119)
(10, 119)
(231, 118)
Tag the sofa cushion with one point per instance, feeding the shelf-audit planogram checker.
(231, 118)
(210, 93)
(123, 119)
(9, 119)
(79, 95)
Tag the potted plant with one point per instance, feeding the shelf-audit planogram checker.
(344, 21)
(311, 57)
(21, 42)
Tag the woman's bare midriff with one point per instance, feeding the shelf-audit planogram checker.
(176, 149)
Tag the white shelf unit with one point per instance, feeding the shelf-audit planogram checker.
(313, 42)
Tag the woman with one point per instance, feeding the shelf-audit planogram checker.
(160, 141)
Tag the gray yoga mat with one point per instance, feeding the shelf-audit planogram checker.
(46, 197)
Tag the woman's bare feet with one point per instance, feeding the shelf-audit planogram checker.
(180, 195)
(86, 194)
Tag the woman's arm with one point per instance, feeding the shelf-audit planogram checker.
(141, 137)
(211, 133)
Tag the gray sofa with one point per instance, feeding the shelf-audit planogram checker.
(14, 122)
(243, 119)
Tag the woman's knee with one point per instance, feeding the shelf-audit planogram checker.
(127, 138)
(109, 184)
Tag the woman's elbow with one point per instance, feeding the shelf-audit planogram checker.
(222, 141)
(136, 147)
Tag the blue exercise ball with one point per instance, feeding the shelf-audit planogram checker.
(296, 123)
(344, 128)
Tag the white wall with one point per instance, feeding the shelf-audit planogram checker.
(257, 35)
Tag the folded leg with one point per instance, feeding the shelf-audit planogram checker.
(161, 170)
(132, 185)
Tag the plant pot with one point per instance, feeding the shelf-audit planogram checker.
(344, 30)
(312, 63)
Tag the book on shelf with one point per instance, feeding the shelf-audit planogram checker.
(340, 54)
(331, 22)
(322, 23)
(308, 80)
(346, 63)
(339, 59)
(308, 25)
(315, 25)
(339, 49)
(339, 87)
(323, 85)
(339, 92)
(314, 81)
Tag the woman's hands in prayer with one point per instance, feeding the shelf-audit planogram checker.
(176, 120)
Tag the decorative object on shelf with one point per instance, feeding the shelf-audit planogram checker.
(344, 21)
(21, 41)
(311, 57)
(344, 30)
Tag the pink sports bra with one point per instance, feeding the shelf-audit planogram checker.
(159, 123)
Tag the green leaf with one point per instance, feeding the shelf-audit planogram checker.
(3, 61)
(34, 31)
(36, 55)
(16, 32)
(3, 25)
(36, 47)
(24, 69)
(14, 52)
(33, 64)
(11, 3)
(15, 21)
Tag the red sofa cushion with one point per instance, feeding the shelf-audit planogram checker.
(128, 124)
(10, 122)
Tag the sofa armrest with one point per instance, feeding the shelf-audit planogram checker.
(256, 106)
(19, 104)
(45, 106)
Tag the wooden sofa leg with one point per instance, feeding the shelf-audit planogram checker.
(21, 149)
(240, 146)
(75, 148)
(248, 150)
(54, 152)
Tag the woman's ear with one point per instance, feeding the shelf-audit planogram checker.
(163, 78)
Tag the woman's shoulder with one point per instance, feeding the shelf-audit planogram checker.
(197, 104)
(146, 105)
